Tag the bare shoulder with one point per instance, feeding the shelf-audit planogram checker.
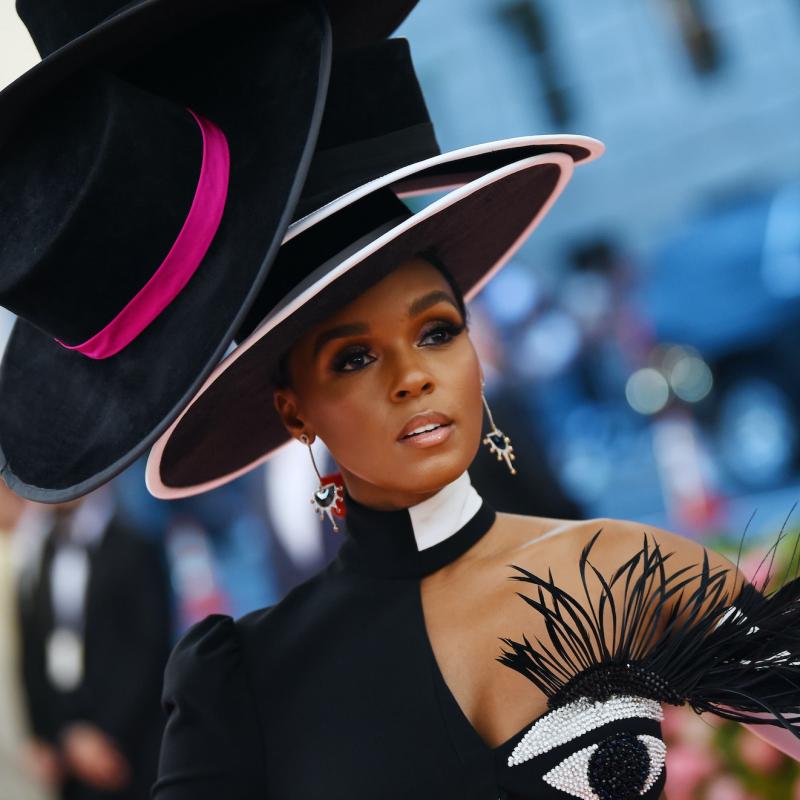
(556, 545)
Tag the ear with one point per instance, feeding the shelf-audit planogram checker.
(287, 405)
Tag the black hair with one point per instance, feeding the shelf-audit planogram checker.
(280, 375)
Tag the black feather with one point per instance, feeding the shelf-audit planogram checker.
(675, 637)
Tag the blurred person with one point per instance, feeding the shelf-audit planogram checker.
(96, 631)
(17, 778)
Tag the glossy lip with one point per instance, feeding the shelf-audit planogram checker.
(423, 418)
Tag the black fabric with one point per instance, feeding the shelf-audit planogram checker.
(70, 423)
(54, 23)
(128, 633)
(300, 257)
(233, 423)
(382, 542)
(97, 186)
(335, 693)
(375, 121)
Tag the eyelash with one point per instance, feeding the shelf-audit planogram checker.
(345, 357)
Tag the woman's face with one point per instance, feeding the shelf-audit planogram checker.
(360, 377)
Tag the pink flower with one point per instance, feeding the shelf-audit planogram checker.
(757, 754)
(687, 767)
(726, 787)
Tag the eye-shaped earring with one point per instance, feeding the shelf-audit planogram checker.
(328, 495)
(498, 442)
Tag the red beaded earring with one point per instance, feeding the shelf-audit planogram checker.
(328, 497)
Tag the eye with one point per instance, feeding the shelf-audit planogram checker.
(352, 359)
(623, 766)
(442, 332)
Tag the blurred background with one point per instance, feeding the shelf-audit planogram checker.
(642, 350)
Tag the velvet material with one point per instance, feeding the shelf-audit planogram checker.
(74, 35)
(86, 215)
(69, 423)
(233, 424)
(300, 257)
(55, 23)
(375, 121)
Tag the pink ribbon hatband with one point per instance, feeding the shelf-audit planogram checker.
(184, 256)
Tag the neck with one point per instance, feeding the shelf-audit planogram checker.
(380, 499)
(419, 539)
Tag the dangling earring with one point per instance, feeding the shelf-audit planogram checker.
(498, 442)
(328, 494)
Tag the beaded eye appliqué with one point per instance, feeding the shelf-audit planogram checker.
(623, 766)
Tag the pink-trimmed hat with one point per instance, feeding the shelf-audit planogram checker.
(129, 204)
(327, 258)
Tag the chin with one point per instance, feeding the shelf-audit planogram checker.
(428, 471)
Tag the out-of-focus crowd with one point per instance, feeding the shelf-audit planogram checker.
(85, 631)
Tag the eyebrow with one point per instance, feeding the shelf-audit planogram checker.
(339, 332)
(431, 299)
(355, 328)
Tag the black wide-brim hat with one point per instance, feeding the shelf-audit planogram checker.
(328, 259)
(68, 423)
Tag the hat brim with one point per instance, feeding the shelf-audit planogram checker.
(70, 423)
(125, 37)
(443, 172)
(230, 427)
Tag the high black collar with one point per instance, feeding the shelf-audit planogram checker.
(383, 543)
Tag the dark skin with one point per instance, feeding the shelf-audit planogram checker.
(356, 392)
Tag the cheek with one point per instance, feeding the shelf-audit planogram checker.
(348, 417)
(357, 418)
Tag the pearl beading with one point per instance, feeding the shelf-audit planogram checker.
(563, 724)
(572, 774)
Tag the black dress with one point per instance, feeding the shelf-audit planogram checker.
(335, 693)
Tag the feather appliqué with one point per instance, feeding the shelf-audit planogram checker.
(675, 637)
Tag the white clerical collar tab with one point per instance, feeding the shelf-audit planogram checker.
(450, 509)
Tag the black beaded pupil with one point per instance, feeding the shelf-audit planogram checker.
(618, 769)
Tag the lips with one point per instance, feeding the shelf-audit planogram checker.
(419, 422)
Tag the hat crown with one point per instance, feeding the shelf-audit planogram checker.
(86, 214)
(53, 23)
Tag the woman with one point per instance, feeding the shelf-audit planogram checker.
(379, 676)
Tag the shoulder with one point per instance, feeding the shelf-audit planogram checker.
(212, 741)
(607, 545)
(205, 653)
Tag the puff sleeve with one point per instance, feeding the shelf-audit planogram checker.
(212, 745)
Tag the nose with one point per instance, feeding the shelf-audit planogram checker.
(411, 379)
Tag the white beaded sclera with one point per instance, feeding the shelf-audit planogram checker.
(562, 725)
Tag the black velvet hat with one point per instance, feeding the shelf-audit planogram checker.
(327, 259)
(79, 34)
(71, 421)
(124, 208)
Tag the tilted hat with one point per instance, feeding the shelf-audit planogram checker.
(327, 259)
(103, 218)
(71, 36)
(121, 200)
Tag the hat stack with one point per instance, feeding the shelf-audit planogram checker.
(178, 176)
